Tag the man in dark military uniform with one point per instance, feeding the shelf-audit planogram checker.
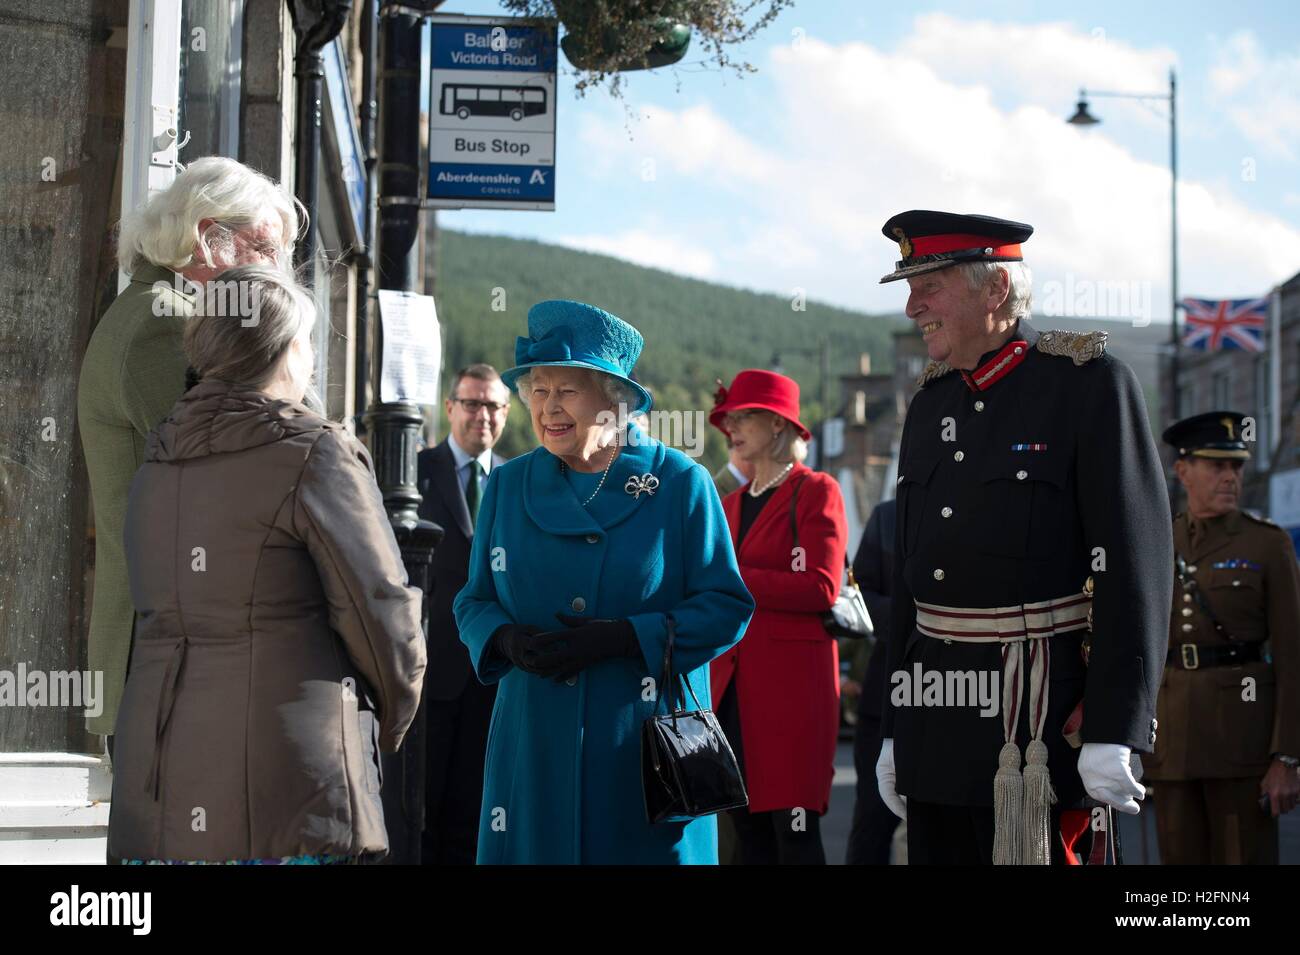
(1225, 766)
(1026, 468)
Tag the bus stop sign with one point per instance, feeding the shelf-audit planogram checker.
(491, 113)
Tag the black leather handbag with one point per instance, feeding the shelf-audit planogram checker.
(687, 766)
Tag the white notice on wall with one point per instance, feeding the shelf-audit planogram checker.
(412, 348)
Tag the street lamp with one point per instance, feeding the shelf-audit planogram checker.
(1082, 117)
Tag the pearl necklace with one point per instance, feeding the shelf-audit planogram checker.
(770, 484)
(613, 449)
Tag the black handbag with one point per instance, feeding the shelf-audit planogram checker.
(687, 766)
(848, 616)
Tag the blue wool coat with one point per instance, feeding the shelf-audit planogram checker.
(562, 782)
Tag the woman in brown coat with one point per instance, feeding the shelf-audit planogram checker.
(278, 647)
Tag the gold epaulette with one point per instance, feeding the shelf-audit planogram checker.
(1079, 347)
(935, 369)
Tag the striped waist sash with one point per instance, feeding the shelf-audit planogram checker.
(1032, 621)
(1021, 806)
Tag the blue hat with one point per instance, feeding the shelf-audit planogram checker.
(575, 335)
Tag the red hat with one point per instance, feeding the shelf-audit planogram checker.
(754, 388)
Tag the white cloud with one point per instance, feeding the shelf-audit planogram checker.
(1043, 64)
(1261, 95)
(657, 251)
(856, 134)
(688, 142)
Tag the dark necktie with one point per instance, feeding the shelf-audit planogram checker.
(471, 491)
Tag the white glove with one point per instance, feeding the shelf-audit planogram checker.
(1107, 774)
(886, 779)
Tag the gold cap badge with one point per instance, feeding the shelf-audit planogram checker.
(904, 243)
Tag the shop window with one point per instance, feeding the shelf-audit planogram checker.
(1222, 390)
(211, 54)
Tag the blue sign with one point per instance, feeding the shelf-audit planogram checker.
(1284, 502)
(491, 114)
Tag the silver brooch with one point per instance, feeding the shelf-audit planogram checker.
(638, 483)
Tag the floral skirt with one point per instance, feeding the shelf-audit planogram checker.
(285, 860)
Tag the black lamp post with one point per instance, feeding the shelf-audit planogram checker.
(1082, 117)
(394, 427)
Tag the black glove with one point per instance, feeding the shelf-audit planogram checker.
(563, 654)
(515, 643)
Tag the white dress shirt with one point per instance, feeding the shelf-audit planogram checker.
(462, 466)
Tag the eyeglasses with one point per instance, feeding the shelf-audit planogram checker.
(733, 418)
(266, 250)
(472, 405)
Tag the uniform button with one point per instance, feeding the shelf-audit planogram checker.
(900, 479)
(1021, 475)
(1236, 583)
(958, 456)
(1187, 611)
(1187, 598)
(946, 512)
(1187, 628)
(1019, 350)
(571, 681)
(979, 406)
(938, 573)
(592, 538)
(1191, 569)
(578, 605)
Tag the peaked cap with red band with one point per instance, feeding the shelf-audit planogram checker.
(930, 241)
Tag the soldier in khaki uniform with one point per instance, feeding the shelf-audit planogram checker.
(1225, 765)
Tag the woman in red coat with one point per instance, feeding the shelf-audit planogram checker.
(777, 691)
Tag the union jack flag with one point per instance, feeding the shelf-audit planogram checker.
(1230, 323)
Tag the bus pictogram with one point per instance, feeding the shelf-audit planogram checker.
(470, 99)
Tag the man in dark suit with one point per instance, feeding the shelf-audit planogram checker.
(452, 477)
(874, 823)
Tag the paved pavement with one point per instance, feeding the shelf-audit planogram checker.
(1137, 833)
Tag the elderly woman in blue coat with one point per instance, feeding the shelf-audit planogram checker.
(582, 549)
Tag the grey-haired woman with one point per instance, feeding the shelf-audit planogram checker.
(278, 646)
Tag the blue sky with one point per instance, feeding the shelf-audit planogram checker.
(780, 181)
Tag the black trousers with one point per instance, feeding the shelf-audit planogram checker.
(456, 733)
(779, 837)
(961, 835)
(874, 823)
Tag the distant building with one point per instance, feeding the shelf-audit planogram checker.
(874, 406)
(1242, 381)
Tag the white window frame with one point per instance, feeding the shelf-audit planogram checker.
(149, 135)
